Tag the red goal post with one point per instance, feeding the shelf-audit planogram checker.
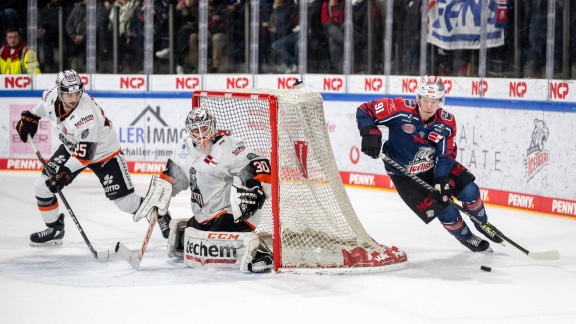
(309, 222)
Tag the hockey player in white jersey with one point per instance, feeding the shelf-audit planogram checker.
(229, 183)
(88, 141)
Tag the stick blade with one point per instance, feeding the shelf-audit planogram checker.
(127, 255)
(548, 255)
(102, 255)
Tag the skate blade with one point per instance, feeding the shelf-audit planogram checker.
(47, 244)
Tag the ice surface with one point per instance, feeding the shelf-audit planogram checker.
(443, 284)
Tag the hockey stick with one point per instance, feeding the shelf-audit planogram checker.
(135, 259)
(99, 255)
(547, 255)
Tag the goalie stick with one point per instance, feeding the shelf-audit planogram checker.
(99, 255)
(547, 255)
(135, 259)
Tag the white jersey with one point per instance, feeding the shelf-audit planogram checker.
(209, 175)
(85, 132)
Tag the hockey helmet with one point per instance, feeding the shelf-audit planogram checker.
(201, 126)
(69, 81)
(432, 87)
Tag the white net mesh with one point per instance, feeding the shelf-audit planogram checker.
(318, 226)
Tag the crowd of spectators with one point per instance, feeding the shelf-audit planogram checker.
(228, 27)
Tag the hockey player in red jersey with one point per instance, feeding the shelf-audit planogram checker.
(88, 141)
(228, 183)
(421, 139)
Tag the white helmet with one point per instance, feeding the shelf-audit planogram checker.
(69, 81)
(432, 87)
(201, 126)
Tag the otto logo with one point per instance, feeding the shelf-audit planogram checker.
(559, 90)
(286, 83)
(518, 89)
(374, 84)
(19, 82)
(237, 83)
(479, 88)
(187, 83)
(409, 85)
(334, 84)
(84, 79)
(131, 82)
(448, 86)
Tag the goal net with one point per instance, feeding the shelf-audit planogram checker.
(309, 222)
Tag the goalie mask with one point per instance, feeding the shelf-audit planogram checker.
(201, 125)
(69, 81)
(432, 87)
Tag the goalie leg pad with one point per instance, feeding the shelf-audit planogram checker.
(176, 237)
(158, 195)
(219, 250)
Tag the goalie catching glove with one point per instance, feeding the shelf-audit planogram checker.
(158, 196)
(246, 200)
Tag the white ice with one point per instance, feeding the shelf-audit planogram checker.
(443, 283)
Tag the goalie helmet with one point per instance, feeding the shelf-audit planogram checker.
(432, 87)
(69, 81)
(201, 125)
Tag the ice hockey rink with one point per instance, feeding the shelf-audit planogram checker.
(442, 284)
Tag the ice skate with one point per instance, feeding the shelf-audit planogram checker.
(51, 236)
(476, 244)
(163, 223)
(261, 263)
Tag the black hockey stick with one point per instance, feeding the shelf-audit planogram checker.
(136, 259)
(99, 255)
(547, 255)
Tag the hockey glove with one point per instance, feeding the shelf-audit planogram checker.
(61, 179)
(444, 187)
(28, 124)
(371, 141)
(250, 199)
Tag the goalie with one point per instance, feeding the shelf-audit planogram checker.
(228, 183)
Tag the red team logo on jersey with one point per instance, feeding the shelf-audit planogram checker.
(408, 128)
(211, 161)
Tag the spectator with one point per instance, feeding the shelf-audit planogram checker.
(318, 53)
(362, 21)
(287, 48)
(264, 38)
(283, 20)
(15, 57)
(536, 60)
(217, 35)
(130, 35)
(8, 17)
(333, 14)
(235, 16)
(76, 31)
(47, 35)
(186, 37)
(409, 40)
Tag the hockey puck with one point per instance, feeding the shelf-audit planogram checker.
(485, 268)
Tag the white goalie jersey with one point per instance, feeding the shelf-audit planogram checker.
(210, 175)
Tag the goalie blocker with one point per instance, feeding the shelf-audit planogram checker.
(218, 250)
